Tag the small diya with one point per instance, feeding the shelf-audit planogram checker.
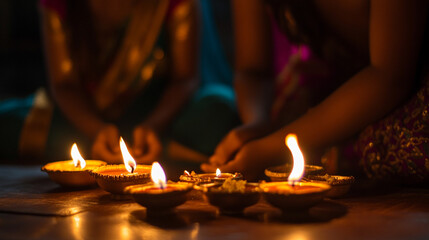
(281, 173)
(233, 196)
(114, 178)
(340, 185)
(294, 195)
(73, 173)
(219, 177)
(159, 195)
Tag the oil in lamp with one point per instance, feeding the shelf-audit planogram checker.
(293, 195)
(73, 173)
(114, 178)
(159, 195)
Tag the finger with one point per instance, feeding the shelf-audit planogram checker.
(220, 155)
(231, 166)
(205, 167)
(139, 146)
(226, 149)
(216, 160)
(154, 145)
(154, 149)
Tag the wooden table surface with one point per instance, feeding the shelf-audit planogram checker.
(33, 207)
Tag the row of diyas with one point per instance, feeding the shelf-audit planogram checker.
(159, 194)
(111, 178)
(83, 173)
(292, 195)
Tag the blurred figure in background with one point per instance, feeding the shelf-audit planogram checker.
(376, 56)
(118, 68)
(132, 69)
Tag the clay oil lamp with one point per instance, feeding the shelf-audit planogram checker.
(114, 178)
(159, 196)
(203, 178)
(73, 173)
(282, 172)
(294, 195)
(232, 196)
(340, 185)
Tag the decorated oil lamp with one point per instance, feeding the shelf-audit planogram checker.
(159, 195)
(281, 173)
(294, 195)
(218, 176)
(232, 196)
(340, 185)
(114, 178)
(73, 173)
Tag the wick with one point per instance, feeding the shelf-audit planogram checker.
(161, 185)
(132, 169)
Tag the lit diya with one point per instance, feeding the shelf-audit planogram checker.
(281, 173)
(114, 178)
(232, 196)
(73, 173)
(294, 195)
(209, 177)
(159, 195)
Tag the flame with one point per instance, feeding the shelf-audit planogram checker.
(186, 173)
(158, 176)
(129, 162)
(218, 172)
(298, 159)
(77, 158)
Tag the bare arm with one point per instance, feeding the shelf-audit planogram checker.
(395, 33)
(253, 80)
(66, 88)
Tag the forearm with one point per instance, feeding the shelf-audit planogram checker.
(365, 98)
(65, 87)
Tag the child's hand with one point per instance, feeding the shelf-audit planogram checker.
(106, 145)
(235, 140)
(147, 148)
(228, 147)
(252, 159)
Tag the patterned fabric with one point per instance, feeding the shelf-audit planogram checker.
(397, 147)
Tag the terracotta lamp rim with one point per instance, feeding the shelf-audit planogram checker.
(141, 172)
(90, 166)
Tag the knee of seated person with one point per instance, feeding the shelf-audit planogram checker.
(215, 91)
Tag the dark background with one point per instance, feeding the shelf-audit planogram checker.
(22, 67)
